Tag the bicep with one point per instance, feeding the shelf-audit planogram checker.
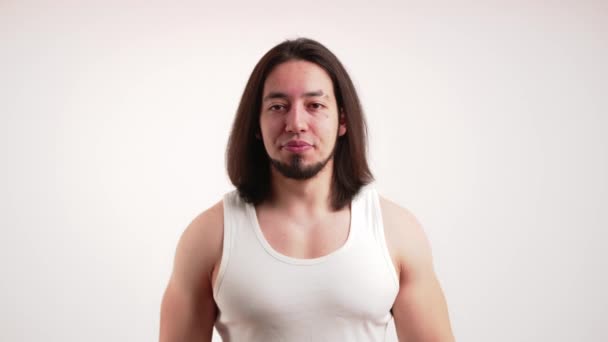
(185, 315)
(188, 310)
(420, 310)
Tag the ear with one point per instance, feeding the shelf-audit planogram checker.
(342, 123)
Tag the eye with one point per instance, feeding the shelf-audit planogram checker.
(276, 107)
(316, 105)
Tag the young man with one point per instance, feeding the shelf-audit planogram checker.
(304, 249)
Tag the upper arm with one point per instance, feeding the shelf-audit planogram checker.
(420, 309)
(188, 310)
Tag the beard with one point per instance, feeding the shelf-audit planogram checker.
(295, 169)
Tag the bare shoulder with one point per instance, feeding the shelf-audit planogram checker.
(207, 226)
(188, 309)
(420, 309)
(405, 236)
(200, 245)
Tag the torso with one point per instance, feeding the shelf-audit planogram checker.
(309, 239)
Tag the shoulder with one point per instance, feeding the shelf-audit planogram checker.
(187, 307)
(400, 222)
(208, 222)
(405, 237)
(200, 245)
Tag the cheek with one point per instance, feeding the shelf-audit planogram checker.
(271, 130)
(327, 130)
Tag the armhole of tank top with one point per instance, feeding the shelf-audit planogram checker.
(227, 243)
(379, 226)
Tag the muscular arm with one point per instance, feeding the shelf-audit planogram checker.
(420, 309)
(188, 310)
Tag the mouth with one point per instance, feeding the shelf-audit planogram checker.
(297, 146)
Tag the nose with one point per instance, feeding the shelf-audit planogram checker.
(295, 120)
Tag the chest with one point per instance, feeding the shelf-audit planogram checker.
(304, 238)
(287, 270)
(353, 284)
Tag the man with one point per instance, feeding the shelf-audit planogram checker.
(304, 249)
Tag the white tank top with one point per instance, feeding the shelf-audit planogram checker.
(263, 295)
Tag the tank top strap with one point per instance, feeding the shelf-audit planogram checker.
(234, 219)
(374, 223)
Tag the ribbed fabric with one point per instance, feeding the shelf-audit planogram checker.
(263, 295)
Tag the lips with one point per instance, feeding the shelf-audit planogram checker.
(297, 146)
(297, 143)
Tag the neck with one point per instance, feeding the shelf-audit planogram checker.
(309, 197)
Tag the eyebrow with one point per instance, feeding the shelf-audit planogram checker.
(279, 95)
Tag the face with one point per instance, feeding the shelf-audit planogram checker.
(299, 119)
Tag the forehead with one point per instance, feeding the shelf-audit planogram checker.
(298, 77)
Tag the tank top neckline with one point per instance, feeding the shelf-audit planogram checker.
(253, 217)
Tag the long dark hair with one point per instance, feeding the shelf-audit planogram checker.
(248, 164)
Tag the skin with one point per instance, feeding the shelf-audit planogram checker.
(299, 103)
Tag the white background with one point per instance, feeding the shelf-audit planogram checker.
(487, 120)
